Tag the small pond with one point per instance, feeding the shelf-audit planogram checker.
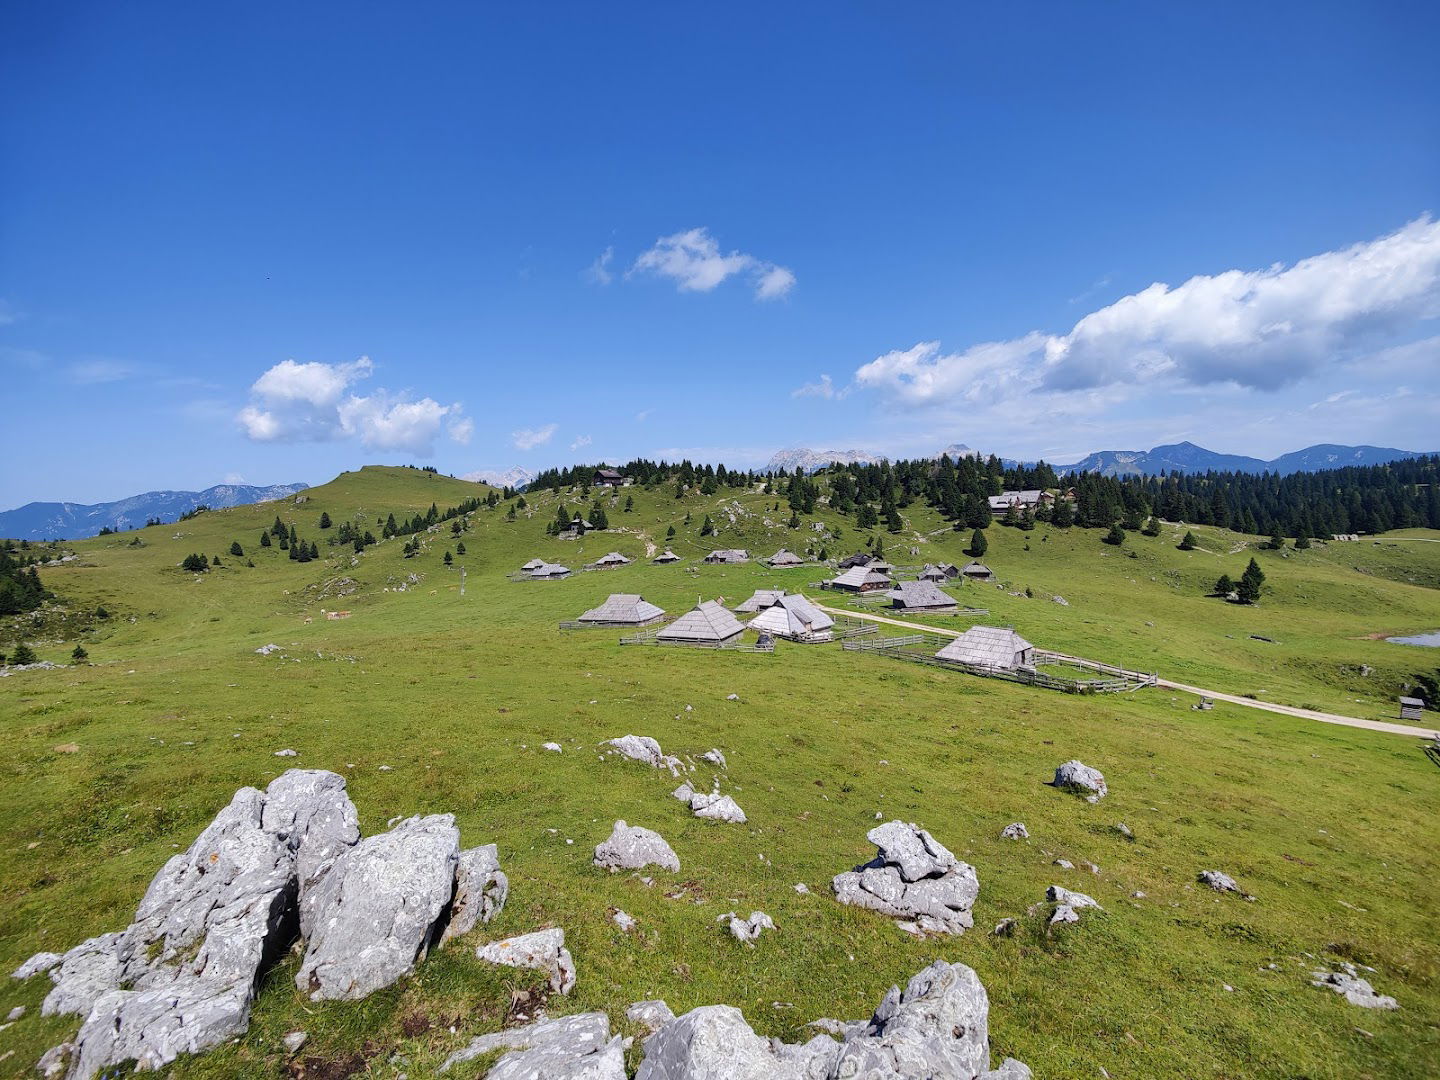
(1431, 639)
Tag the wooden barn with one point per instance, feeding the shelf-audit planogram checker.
(1412, 708)
(728, 555)
(761, 599)
(989, 647)
(794, 617)
(609, 478)
(666, 556)
(977, 571)
(860, 579)
(784, 558)
(921, 596)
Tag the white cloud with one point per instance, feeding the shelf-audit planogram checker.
(234, 478)
(599, 271)
(643, 415)
(693, 260)
(581, 441)
(92, 372)
(461, 430)
(529, 438)
(294, 402)
(1260, 329)
(825, 388)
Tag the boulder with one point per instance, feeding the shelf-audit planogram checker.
(712, 1042)
(913, 878)
(481, 888)
(1015, 831)
(38, 964)
(55, 1061)
(631, 847)
(1079, 777)
(1221, 882)
(1058, 894)
(543, 950)
(746, 931)
(575, 1047)
(376, 911)
(644, 749)
(717, 807)
(714, 756)
(684, 793)
(311, 812)
(1009, 1069)
(1352, 988)
(651, 1015)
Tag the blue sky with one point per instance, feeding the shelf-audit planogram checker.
(278, 241)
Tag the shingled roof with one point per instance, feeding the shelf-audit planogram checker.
(858, 577)
(989, 646)
(706, 622)
(624, 609)
(919, 596)
(762, 598)
(785, 557)
(793, 616)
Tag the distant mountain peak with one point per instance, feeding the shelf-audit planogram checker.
(513, 477)
(810, 461)
(75, 521)
(1189, 457)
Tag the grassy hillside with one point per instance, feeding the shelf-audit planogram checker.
(114, 765)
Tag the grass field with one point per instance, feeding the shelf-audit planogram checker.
(1332, 829)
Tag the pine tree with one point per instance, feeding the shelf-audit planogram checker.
(670, 533)
(449, 559)
(978, 544)
(1277, 542)
(215, 560)
(460, 548)
(23, 654)
(1187, 542)
(1224, 586)
(1302, 543)
(1064, 516)
(79, 655)
(265, 539)
(794, 522)
(324, 520)
(1116, 535)
(510, 514)
(598, 520)
(629, 503)
(708, 527)
(1152, 528)
(237, 550)
(1248, 590)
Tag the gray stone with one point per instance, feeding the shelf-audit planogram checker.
(15, 1014)
(651, 1015)
(684, 793)
(311, 812)
(575, 1047)
(376, 911)
(1004, 928)
(38, 964)
(294, 1040)
(1124, 830)
(712, 1042)
(1064, 913)
(1015, 831)
(914, 878)
(715, 757)
(55, 1061)
(644, 749)
(1353, 989)
(631, 847)
(553, 747)
(746, 931)
(1077, 776)
(717, 807)
(1064, 864)
(623, 921)
(286, 753)
(1009, 1069)
(481, 888)
(543, 950)
(1220, 882)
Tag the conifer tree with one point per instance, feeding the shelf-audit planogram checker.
(265, 539)
(236, 549)
(978, 544)
(1116, 535)
(324, 520)
(1187, 542)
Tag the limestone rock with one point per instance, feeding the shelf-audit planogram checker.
(1221, 882)
(311, 812)
(652, 1015)
(717, 807)
(914, 878)
(15, 1014)
(712, 1042)
(294, 1040)
(543, 950)
(644, 749)
(631, 847)
(481, 888)
(746, 931)
(553, 747)
(575, 1047)
(1009, 1069)
(622, 920)
(1352, 988)
(684, 793)
(376, 911)
(55, 1061)
(1015, 831)
(38, 964)
(286, 753)
(1077, 776)
(715, 757)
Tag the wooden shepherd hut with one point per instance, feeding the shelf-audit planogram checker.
(860, 579)
(784, 558)
(623, 609)
(989, 647)
(794, 617)
(977, 571)
(920, 596)
(706, 624)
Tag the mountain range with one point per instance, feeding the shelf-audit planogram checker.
(513, 477)
(74, 521)
(1187, 457)
(812, 460)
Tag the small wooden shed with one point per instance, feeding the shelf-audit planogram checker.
(1411, 708)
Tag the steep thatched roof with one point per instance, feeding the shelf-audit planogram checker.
(792, 616)
(628, 609)
(707, 622)
(919, 596)
(762, 599)
(988, 646)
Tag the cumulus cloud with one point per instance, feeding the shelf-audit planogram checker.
(599, 271)
(529, 438)
(581, 441)
(1259, 329)
(313, 402)
(825, 388)
(461, 430)
(694, 261)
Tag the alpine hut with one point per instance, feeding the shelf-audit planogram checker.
(607, 561)
(623, 609)
(609, 478)
(989, 647)
(943, 572)
(860, 579)
(784, 558)
(548, 572)
(1411, 708)
(533, 564)
(761, 600)
(792, 616)
(666, 556)
(858, 559)
(706, 624)
(977, 571)
(920, 596)
(728, 555)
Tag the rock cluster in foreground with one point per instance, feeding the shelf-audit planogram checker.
(937, 1027)
(273, 866)
(913, 878)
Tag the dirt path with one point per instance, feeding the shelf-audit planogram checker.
(1233, 699)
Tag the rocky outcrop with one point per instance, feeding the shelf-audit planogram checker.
(480, 890)
(377, 910)
(631, 847)
(746, 931)
(1222, 882)
(1069, 904)
(913, 878)
(575, 1047)
(938, 1026)
(544, 950)
(1015, 831)
(646, 750)
(1078, 777)
(271, 866)
(1357, 991)
(717, 807)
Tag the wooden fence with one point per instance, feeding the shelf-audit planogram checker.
(921, 649)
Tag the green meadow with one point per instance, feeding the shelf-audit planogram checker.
(114, 765)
